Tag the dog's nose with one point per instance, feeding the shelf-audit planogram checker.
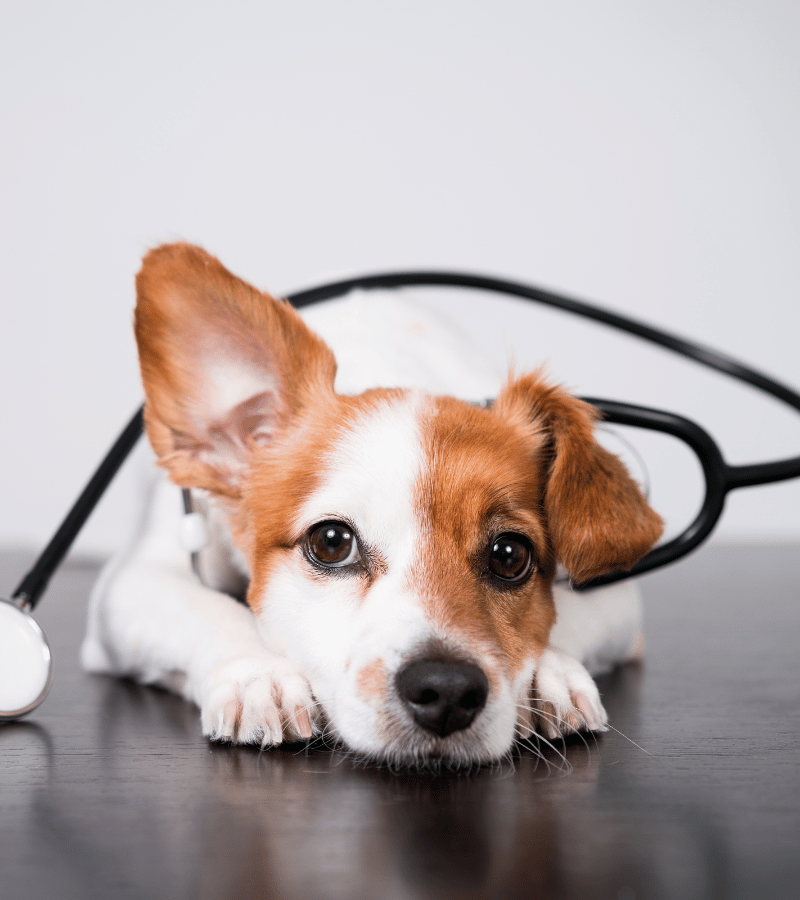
(443, 695)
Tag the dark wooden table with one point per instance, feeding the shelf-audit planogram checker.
(109, 791)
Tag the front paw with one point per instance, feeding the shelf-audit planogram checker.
(255, 700)
(565, 697)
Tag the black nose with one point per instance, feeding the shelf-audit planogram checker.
(443, 695)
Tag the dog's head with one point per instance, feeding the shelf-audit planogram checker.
(402, 546)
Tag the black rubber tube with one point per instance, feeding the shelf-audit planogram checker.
(33, 585)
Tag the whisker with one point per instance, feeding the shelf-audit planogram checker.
(542, 739)
(535, 747)
(554, 719)
(638, 746)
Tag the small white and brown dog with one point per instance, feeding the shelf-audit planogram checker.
(400, 545)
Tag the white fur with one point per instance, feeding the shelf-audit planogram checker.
(150, 619)
(389, 341)
(256, 679)
(566, 695)
(602, 627)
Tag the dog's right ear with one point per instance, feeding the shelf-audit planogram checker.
(223, 365)
(598, 518)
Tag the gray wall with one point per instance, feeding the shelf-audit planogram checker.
(640, 155)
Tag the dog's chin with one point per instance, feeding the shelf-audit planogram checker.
(409, 747)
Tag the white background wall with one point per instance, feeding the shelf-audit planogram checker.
(641, 155)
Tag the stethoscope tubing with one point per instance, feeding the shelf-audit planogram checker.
(735, 476)
(34, 584)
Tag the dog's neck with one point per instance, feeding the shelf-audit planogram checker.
(216, 560)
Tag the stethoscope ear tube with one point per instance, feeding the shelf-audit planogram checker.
(714, 469)
(33, 585)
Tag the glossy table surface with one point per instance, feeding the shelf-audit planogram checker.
(108, 790)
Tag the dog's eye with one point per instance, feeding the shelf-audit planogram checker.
(332, 544)
(511, 558)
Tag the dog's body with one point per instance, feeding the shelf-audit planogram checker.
(400, 545)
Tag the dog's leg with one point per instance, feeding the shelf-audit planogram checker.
(594, 631)
(150, 619)
(602, 627)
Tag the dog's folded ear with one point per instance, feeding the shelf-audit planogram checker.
(597, 517)
(223, 365)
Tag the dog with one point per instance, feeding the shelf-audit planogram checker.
(398, 547)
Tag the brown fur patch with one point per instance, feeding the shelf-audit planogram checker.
(260, 455)
(483, 478)
(371, 681)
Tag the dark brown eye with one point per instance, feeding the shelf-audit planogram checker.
(333, 545)
(511, 558)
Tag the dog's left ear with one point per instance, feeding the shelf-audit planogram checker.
(224, 366)
(598, 518)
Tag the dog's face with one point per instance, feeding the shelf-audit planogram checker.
(401, 546)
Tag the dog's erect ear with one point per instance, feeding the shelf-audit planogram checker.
(598, 519)
(223, 364)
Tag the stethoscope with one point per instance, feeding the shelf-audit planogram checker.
(26, 663)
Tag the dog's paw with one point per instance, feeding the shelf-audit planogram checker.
(565, 697)
(255, 700)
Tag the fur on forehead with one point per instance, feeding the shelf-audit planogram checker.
(483, 468)
(299, 459)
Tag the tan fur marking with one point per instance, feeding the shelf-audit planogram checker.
(371, 681)
(260, 455)
(483, 477)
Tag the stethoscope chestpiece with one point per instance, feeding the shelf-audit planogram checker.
(26, 663)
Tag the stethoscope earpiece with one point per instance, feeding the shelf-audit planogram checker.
(26, 663)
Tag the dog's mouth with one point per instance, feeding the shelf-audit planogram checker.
(431, 731)
(415, 749)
